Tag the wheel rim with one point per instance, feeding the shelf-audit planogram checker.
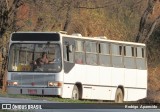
(119, 98)
(75, 95)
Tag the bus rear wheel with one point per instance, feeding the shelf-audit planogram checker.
(119, 96)
(75, 93)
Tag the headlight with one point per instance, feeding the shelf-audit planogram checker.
(12, 83)
(54, 84)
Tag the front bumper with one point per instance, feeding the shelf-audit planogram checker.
(34, 91)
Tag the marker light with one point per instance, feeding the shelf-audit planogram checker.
(54, 84)
(12, 83)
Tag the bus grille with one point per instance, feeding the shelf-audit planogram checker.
(30, 80)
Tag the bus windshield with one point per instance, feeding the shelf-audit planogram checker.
(30, 57)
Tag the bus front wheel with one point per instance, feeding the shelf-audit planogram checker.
(75, 93)
(119, 96)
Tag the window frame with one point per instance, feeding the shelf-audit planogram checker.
(132, 51)
(103, 54)
(121, 55)
(94, 53)
(82, 52)
(120, 49)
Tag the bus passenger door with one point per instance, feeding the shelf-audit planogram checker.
(68, 65)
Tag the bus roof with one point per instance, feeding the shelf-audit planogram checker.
(102, 39)
(79, 36)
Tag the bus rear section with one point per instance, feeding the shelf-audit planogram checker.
(28, 73)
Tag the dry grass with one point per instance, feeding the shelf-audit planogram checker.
(154, 78)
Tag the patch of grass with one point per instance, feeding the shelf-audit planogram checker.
(48, 98)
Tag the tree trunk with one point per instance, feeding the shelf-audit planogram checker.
(68, 15)
(149, 20)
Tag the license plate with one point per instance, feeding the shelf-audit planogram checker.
(32, 91)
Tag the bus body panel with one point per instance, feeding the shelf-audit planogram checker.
(141, 74)
(130, 78)
(75, 75)
(117, 76)
(67, 90)
(135, 94)
(93, 88)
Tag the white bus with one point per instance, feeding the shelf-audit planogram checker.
(81, 68)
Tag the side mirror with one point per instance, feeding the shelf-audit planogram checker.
(4, 51)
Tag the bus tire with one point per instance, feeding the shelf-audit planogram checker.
(75, 93)
(119, 96)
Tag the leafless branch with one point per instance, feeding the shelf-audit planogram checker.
(152, 28)
(147, 25)
(7, 4)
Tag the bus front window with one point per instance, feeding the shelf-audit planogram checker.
(28, 58)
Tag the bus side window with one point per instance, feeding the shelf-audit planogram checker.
(91, 53)
(117, 60)
(139, 52)
(104, 54)
(79, 52)
(129, 59)
(140, 60)
(68, 53)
